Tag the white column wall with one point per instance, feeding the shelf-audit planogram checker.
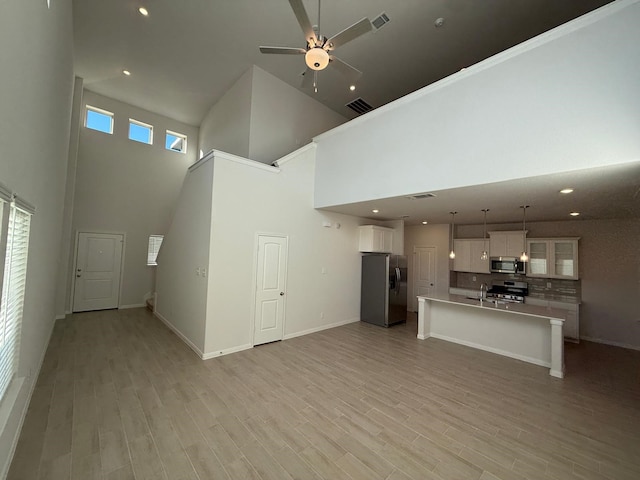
(249, 200)
(181, 299)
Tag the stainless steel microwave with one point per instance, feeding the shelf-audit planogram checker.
(507, 265)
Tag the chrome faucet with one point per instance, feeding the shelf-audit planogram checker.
(483, 290)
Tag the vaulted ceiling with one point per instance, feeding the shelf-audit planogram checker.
(186, 54)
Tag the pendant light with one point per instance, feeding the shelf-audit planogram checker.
(452, 254)
(524, 257)
(485, 254)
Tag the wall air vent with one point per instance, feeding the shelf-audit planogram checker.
(380, 21)
(359, 106)
(419, 196)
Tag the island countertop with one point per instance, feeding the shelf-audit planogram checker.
(519, 308)
(530, 333)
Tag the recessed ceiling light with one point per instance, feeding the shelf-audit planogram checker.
(574, 214)
(375, 210)
(566, 190)
(352, 87)
(425, 222)
(143, 11)
(126, 72)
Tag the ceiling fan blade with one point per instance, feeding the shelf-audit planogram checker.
(303, 20)
(283, 50)
(348, 34)
(352, 73)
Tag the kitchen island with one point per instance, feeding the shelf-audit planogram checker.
(526, 332)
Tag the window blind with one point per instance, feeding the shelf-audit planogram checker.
(155, 241)
(13, 288)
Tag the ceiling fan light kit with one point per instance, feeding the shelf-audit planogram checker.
(317, 58)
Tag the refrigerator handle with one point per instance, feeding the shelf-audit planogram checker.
(397, 281)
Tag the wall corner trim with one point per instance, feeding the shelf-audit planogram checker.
(179, 334)
(226, 351)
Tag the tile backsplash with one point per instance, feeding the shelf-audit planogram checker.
(537, 286)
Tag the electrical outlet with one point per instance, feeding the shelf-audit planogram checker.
(548, 284)
(204, 272)
(474, 278)
(198, 271)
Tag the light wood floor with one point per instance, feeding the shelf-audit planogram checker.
(121, 397)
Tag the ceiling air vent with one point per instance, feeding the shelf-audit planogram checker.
(380, 21)
(359, 106)
(419, 196)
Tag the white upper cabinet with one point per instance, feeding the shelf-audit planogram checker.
(376, 239)
(468, 253)
(553, 258)
(506, 244)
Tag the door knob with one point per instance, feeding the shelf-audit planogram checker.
(282, 294)
(78, 276)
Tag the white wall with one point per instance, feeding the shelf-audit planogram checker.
(227, 125)
(36, 85)
(264, 118)
(566, 100)
(249, 200)
(428, 236)
(129, 187)
(283, 118)
(181, 294)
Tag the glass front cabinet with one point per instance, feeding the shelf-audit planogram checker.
(553, 258)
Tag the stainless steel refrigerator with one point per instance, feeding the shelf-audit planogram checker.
(383, 298)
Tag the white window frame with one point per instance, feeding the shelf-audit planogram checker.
(179, 135)
(15, 223)
(133, 121)
(101, 111)
(155, 242)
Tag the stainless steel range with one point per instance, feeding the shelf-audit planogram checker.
(508, 291)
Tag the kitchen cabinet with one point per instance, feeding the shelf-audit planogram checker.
(506, 244)
(553, 258)
(571, 327)
(468, 252)
(376, 239)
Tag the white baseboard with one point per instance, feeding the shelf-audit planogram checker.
(33, 379)
(182, 337)
(497, 351)
(609, 342)
(320, 328)
(226, 351)
(135, 305)
(61, 317)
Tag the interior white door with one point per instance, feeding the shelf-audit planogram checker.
(271, 276)
(424, 272)
(97, 275)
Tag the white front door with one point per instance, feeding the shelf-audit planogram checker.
(97, 275)
(271, 275)
(424, 272)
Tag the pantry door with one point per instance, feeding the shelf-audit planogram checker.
(424, 272)
(97, 272)
(271, 277)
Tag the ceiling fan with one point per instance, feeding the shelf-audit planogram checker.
(319, 49)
